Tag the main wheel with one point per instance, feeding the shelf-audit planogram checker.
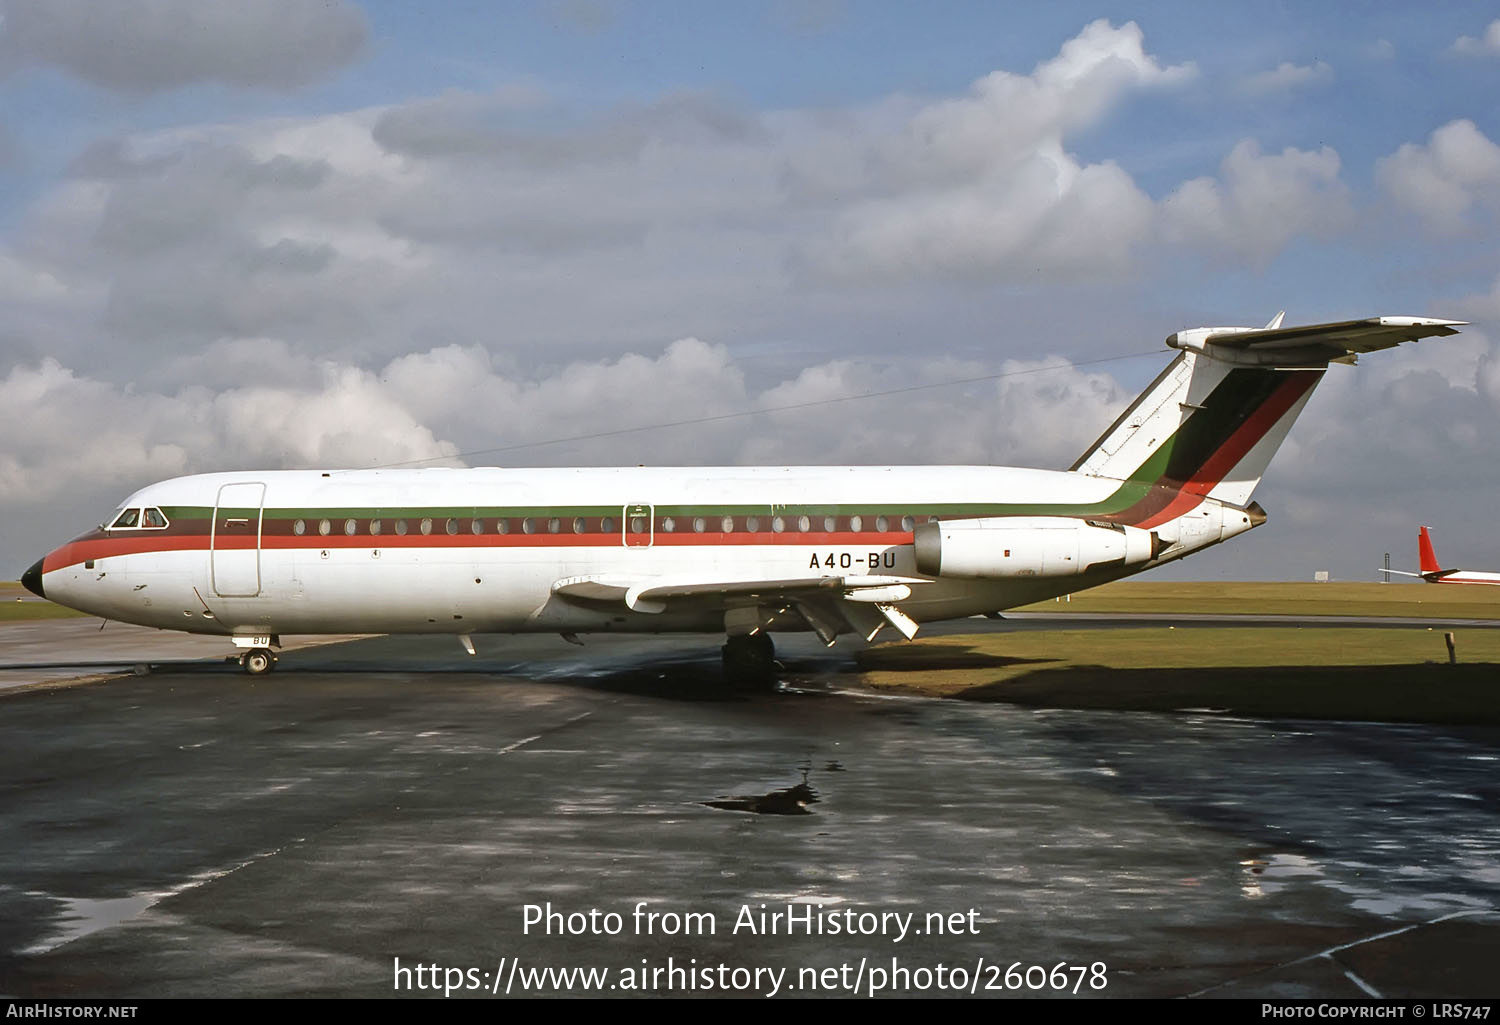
(258, 661)
(750, 661)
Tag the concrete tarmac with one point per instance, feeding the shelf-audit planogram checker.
(197, 832)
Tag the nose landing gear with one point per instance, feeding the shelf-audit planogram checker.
(258, 661)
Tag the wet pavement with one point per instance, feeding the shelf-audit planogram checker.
(196, 832)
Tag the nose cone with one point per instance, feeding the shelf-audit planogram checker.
(32, 579)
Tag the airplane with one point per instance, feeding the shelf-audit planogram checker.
(742, 551)
(1433, 573)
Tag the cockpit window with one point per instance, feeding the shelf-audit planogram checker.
(150, 518)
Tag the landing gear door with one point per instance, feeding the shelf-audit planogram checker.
(638, 525)
(234, 539)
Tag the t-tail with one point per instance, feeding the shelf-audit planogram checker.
(1432, 571)
(1192, 447)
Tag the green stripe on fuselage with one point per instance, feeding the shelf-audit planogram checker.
(1123, 497)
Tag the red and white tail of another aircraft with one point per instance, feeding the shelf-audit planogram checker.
(1432, 570)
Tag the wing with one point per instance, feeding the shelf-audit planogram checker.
(863, 604)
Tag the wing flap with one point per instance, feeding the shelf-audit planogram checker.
(863, 603)
(605, 588)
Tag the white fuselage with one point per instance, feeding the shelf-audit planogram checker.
(484, 550)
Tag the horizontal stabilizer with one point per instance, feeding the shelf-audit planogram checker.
(1310, 344)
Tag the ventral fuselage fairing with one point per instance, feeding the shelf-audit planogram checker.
(743, 550)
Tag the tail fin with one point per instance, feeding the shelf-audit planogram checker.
(1204, 429)
(1209, 424)
(1426, 557)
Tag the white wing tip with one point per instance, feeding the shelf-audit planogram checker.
(1419, 322)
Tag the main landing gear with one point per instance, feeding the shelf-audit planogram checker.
(258, 661)
(750, 661)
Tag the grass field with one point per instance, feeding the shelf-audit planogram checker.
(18, 603)
(1445, 601)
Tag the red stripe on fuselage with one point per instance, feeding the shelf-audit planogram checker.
(101, 548)
(1217, 466)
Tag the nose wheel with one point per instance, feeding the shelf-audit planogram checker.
(258, 661)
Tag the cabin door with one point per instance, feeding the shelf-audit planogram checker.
(234, 539)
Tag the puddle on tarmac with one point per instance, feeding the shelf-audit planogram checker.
(790, 801)
(81, 917)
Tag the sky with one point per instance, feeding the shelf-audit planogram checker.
(240, 234)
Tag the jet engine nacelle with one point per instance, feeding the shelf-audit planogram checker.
(1028, 546)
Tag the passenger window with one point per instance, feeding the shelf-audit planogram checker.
(607, 525)
(856, 524)
(882, 524)
(324, 527)
(579, 525)
(778, 524)
(128, 518)
(375, 526)
(476, 526)
(299, 527)
(451, 526)
(350, 526)
(528, 526)
(804, 524)
(752, 524)
(830, 523)
(727, 524)
(401, 526)
(426, 525)
(502, 526)
(668, 525)
(154, 518)
(698, 525)
(908, 522)
(554, 525)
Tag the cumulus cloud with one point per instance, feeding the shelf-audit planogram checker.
(1288, 76)
(477, 271)
(1260, 202)
(1445, 183)
(339, 415)
(983, 184)
(1487, 45)
(485, 218)
(143, 46)
(323, 413)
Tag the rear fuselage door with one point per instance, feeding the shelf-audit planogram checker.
(638, 526)
(234, 540)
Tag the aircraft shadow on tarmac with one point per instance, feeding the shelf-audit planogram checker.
(1436, 693)
(694, 675)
